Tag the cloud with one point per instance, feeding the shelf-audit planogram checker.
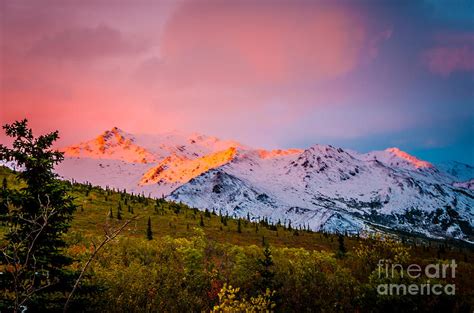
(453, 53)
(246, 43)
(263, 72)
(87, 43)
(445, 60)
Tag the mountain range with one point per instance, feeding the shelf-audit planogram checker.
(321, 187)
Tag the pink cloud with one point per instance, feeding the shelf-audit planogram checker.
(241, 42)
(453, 52)
(445, 60)
(235, 69)
(86, 43)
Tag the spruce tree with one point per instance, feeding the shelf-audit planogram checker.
(341, 251)
(239, 226)
(119, 214)
(201, 222)
(149, 232)
(43, 211)
(266, 269)
(4, 200)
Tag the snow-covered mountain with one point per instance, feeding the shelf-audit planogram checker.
(322, 187)
(460, 171)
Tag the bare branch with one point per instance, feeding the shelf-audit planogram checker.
(107, 238)
(24, 291)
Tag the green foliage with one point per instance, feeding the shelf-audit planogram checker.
(382, 247)
(310, 279)
(38, 216)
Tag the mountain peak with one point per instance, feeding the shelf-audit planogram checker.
(417, 163)
(111, 144)
(117, 134)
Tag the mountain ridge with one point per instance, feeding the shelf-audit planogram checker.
(321, 187)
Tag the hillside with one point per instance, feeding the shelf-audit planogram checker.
(179, 220)
(193, 254)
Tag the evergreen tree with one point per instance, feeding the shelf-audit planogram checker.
(111, 214)
(4, 200)
(341, 251)
(266, 269)
(201, 222)
(239, 226)
(43, 211)
(119, 214)
(149, 232)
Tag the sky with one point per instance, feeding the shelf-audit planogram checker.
(365, 75)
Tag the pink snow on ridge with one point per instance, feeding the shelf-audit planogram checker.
(267, 154)
(409, 158)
